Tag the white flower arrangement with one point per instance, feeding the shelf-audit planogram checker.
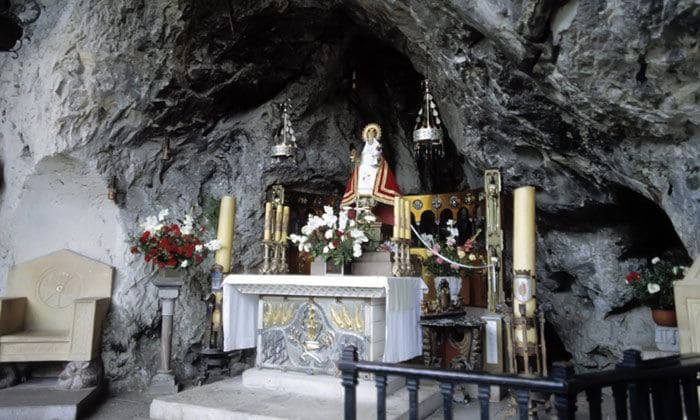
(337, 237)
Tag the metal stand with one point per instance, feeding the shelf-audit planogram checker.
(216, 360)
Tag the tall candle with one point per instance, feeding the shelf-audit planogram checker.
(397, 216)
(524, 229)
(407, 219)
(285, 223)
(268, 221)
(278, 222)
(524, 256)
(224, 233)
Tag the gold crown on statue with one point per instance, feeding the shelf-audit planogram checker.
(372, 132)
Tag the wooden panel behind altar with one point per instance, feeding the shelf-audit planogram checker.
(429, 214)
(302, 204)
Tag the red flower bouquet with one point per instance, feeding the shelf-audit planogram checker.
(172, 245)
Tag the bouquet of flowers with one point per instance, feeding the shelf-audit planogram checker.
(336, 237)
(172, 245)
(466, 254)
(653, 286)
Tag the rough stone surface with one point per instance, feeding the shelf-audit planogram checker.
(593, 103)
(79, 375)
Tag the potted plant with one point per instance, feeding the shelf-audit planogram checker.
(335, 239)
(653, 287)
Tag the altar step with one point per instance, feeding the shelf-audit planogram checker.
(267, 394)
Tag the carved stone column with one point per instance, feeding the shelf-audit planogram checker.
(168, 283)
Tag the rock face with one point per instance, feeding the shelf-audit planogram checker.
(594, 104)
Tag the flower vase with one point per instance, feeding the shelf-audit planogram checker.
(664, 317)
(336, 269)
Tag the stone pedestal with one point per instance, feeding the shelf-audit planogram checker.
(667, 338)
(168, 283)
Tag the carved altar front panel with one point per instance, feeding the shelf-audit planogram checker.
(308, 334)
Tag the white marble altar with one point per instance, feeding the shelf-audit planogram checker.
(300, 322)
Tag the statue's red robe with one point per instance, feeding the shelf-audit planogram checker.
(384, 190)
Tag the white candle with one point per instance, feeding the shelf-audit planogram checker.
(224, 233)
(397, 216)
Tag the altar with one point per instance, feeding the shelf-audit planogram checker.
(302, 322)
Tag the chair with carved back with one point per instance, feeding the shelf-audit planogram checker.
(54, 309)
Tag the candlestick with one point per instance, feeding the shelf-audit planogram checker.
(278, 222)
(407, 219)
(224, 234)
(397, 216)
(285, 225)
(268, 221)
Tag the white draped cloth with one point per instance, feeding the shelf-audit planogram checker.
(403, 339)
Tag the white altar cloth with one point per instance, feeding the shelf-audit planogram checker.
(403, 296)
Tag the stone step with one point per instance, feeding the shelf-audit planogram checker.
(230, 399)
(39, 399)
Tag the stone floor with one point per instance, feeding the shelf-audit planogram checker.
(136, 405)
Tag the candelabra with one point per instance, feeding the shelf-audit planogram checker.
(275, 235)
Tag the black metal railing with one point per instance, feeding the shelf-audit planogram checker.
(666, 387)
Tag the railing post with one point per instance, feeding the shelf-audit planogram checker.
(412, 385)
(380, 382)
(522, 397)
(690, 395)
(447, 388)
(564, 402)
(349, 373)
(620, 396)
(484, 397)
(594, 409)
(638, 391)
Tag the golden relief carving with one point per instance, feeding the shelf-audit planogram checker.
(277, 314)
(346, 319)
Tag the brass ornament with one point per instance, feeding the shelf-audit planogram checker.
(427, 133)
(345, 320)
(277, 314)
(286, 145)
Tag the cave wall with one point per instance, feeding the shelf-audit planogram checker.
(581, 99)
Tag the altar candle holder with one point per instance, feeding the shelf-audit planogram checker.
(267, 266)
(396, 264)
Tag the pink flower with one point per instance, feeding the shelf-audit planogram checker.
(454, 266)
(436, 248)
(468, 245)
(439, 260)
(451, 241)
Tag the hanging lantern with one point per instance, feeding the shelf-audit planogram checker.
(286, 141)
(427, 135)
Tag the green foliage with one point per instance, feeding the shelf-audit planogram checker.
(653, 286)
(211, 213)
